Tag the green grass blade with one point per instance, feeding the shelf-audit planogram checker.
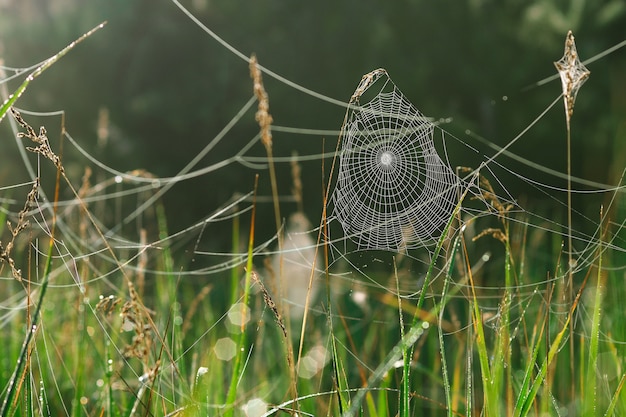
(611, 409)
(339, 374)
(40, 69)
(13, 385)
(442, 350)
(411, 337)
(481, 345)
(529, 396)
(231, 396)
(528, 401)
(500, 369)
(469, 395)
(525, 388)
(483, 359)
(591, 394)
(405, 392)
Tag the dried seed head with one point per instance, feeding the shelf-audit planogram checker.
(263, 116)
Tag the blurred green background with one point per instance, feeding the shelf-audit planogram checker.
(170, 88)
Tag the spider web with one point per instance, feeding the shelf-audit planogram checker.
(393, 191)
(573, 74)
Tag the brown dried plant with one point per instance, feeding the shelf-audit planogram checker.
(263, 113)
(296, 175)
(193, 307)
(15, 230)
(41, 139)
(269, 302)
(133, 317)
(265, 120)
(107, 305)
(489, 196)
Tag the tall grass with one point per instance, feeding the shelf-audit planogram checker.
(115, 328)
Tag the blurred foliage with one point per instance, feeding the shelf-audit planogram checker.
(170, 88)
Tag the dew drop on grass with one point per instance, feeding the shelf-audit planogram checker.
(201, 371)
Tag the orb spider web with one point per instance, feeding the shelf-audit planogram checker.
(393, 191)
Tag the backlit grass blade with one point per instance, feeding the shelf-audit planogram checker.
(527, 397)
(15, 385)
(40, 69)
(611, 409)
(591, 389)
(231, 396)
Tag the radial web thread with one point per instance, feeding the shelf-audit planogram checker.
(393, 191)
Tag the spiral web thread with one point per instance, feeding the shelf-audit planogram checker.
(393, 191)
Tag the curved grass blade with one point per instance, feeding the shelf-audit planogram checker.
(37, 72)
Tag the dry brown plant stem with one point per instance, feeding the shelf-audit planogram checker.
(265, 120)
(43, 148)
(573, 75)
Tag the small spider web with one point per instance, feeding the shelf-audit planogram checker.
(573, 74)
(393, 191)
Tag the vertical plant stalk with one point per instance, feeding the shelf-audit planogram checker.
(234, 274)
(591, 388)
(404, 400)
(296, 176)
(265, 120)
(573, 75)
(20, 371)
(490, 393)
(444, 362)
(340, 384)
(528, 391)
(231, 396)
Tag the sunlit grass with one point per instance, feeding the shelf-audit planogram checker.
(127, 333)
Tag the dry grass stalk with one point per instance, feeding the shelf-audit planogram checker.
(573, 74)
(193, 307)
(107, 305)
(296, 175)
(262, 115)
(496, 233)
(83, 192)
(490, 196)
(142, 260)
(133, 320)
(103, 127)
(41, 139)
(85, 186)
(269, 302)
(22, 223)
(264, 119)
